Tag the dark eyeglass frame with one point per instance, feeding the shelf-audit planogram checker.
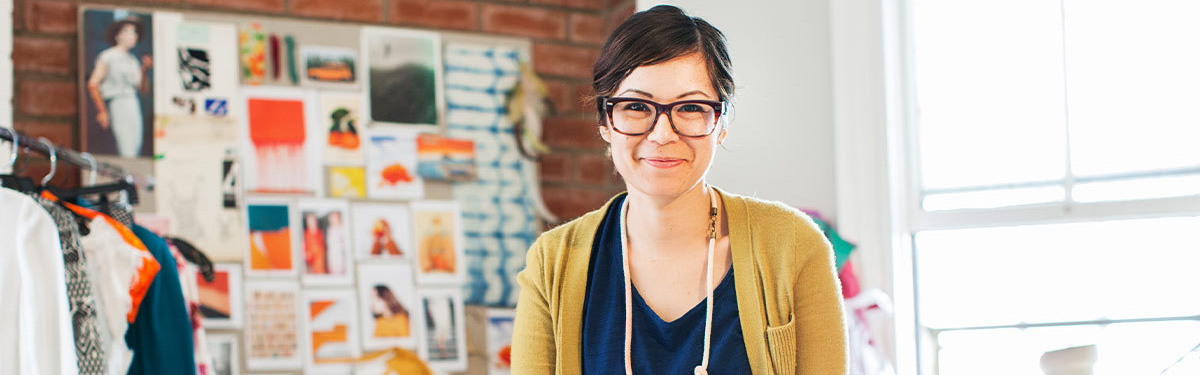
(605, 105)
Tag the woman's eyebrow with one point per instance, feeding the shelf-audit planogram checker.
(651, 96)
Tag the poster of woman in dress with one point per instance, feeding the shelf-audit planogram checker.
(445, 347)
(325, 234)
(439, 240)
(117, 92)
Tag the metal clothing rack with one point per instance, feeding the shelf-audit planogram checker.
(76, 158)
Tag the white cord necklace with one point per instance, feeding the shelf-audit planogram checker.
(702, 369)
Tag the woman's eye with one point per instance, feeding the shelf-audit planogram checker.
(691, 108)
(640, 107)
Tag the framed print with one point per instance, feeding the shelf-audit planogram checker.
(280, 148)
(329, 66)
(197, 74)
(437, 227)
(330, 330)
(382, 231)
(404, 76)
(444, 344)
(221, 298)
(392, 164)
(272, 332)
(226, 358)
(117, 82)
(346, 182)
(325, 240)
(388, 305)
(341, 127)
(272, 228)
(499, 339)
(441, 158)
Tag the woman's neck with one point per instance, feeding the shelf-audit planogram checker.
(668, 225)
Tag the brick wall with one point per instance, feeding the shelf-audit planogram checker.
(566, 34)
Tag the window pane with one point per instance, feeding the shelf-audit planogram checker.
(1142, 188)
(990, 93)
(1122, 349)
(1059, 272)
(994, 198)
(1134, 84)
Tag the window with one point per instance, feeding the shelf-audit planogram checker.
(1055, 160)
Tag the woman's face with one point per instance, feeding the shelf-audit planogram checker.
(662, 163)
(127, 37)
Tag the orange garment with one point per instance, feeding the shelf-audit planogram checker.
(399, 362)
(314, 251)
(145, 272)
(392, 326)
(276, 255)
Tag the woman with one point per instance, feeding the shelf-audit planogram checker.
(116, 83)
(314, 245)
(336, 252)
(676, 276)
(391, 318)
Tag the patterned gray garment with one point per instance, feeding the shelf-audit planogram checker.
(88, 345)
(121, 212)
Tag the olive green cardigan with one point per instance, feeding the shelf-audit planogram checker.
(788, 296)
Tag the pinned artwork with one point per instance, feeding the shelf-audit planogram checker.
(444, 344)
(117, 95)
(197, 70)
(329, 66)
(325, 239)
(223, 347)
(221, 298)
(437, 226)
(346, 182)
(392, 163)
(331, 331)
(499, 339)
(278, 142)
(388, 305)
(499, 216)
(341, 121)
(272, 237)
(445, 159)
(272, 332)
(403, 76)
(195, 183)
(382, 231)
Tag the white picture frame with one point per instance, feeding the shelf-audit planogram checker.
(335, 246)
(445, 324)
(436, 262)
(213, 299)
(282, 178)
(272, 335)
(337, 307)
(401, 44)
(260, 218)
(392, 164)
(381, 285)
(226, 356)
(499, 339)
(381, 230)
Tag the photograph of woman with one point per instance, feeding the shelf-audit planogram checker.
(675, 276)
(391, 317)
(118, 90)
(326, 242)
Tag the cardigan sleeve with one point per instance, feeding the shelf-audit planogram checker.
(821, 329)
(534, 342)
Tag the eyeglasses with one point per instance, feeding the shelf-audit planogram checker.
(634, 116)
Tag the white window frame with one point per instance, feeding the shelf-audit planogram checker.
(878, 191)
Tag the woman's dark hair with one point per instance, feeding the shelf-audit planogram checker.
(656, 35)
(110, 33)
(390, 299)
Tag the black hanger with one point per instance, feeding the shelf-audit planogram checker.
(102, 190)
(194, 256)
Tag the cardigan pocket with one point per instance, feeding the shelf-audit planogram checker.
(781, 346)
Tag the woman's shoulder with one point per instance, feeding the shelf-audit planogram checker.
(773, 224)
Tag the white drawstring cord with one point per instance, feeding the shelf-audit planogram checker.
(702, 369)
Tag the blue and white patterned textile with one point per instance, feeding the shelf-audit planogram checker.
(499, 222)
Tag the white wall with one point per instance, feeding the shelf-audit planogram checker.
(780, 146)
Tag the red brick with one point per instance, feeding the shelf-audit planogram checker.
(581, 4)
(441, 14)
(266, 6)
(61, 134)
(561, 60)
(595, 170)
(52, 17)
(572, 132)
(525, 21)
(45, 55)
(353, 10)
(560, 95)
(571, 202)
(556, 167)
(46, 98)
(619, 15)
(587, 28)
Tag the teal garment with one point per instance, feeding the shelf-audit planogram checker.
(161, 335)
(841, 248)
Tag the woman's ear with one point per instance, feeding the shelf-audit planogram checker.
(604, 134)
(721, 137)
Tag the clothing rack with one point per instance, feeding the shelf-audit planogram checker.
(75, 158)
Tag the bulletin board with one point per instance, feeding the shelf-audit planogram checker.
(349, 174)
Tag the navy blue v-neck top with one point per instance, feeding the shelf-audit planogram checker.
(658, 347)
